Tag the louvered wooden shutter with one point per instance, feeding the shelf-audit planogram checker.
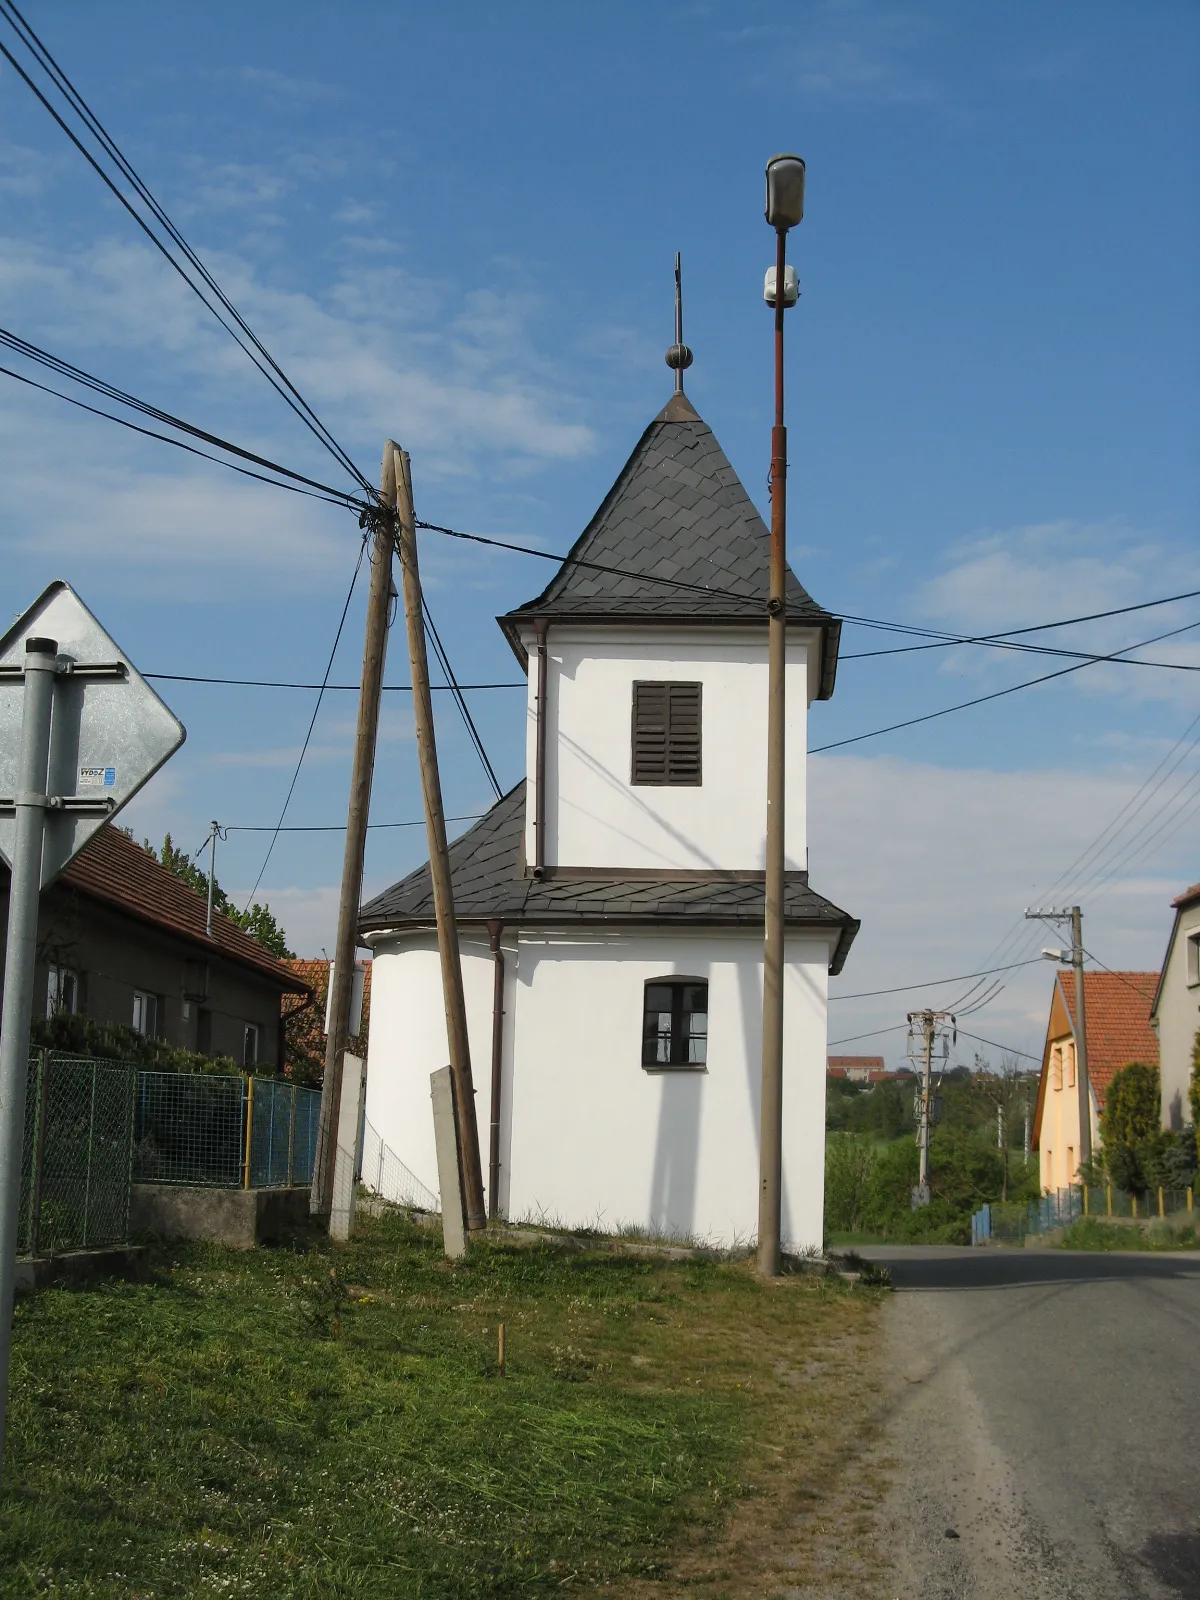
(666, 733)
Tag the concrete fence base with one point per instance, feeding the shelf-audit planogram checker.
(238, 1217)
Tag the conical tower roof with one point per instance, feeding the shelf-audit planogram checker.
(677, 540)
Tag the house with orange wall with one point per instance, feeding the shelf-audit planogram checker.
(1117, 1008)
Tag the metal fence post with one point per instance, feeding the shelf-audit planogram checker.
(39, 1156)
(292, 1138)
(87, 1187)
(248, 1104)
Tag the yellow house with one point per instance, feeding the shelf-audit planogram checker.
(1117, 1006)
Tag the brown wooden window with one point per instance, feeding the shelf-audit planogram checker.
(675, 1023)
(666, 733)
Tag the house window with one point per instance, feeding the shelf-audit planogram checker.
(675, 1023)
(145, 1014)
(1193, 960)
(250, 1045)
(666, 734)
(1056, 1055)
(1069, 1058)
(62, 992)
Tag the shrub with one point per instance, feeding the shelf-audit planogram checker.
(109, 1041)
(849, 1166)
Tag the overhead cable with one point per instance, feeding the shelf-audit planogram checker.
(259, 354)
(999, 694)
(929, 983)
(312, 723)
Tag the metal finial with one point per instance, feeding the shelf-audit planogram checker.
(679, 357)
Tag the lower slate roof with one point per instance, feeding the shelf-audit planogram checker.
(487, 869)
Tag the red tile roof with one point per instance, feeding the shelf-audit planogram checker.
(1186, 898)
(113, 869)
(1118, 1022)
(872, 1063)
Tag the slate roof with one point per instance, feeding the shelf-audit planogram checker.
(488, 873)
(112, 869)
(677, 511)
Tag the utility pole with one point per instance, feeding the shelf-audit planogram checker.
(1074, 915)
(929, 1023)
(342, 976)
(439, 858)
(785, 209)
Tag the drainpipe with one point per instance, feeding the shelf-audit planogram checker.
(540, 629)
(495, 929)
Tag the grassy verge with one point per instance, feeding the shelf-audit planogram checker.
(309, 1422)
(1091, 1234)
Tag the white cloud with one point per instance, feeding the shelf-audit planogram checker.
(940, 864)
(1029, 575)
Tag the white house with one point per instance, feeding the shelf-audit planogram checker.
(614, 899)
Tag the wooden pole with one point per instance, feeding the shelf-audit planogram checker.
(439, 858)
(342, 976)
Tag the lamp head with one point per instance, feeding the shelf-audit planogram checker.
(785, 192)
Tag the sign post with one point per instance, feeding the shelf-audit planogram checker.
(80, 733)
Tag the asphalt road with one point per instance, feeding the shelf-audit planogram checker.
(1045, 1416)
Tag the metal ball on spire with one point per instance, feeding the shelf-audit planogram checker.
(679, 357)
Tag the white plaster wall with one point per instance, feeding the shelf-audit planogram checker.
(1178, 1019)
(408, 1041)
(587, 1135)
(596, 1139)
(596, 817)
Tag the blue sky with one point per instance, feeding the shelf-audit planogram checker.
(457, 227)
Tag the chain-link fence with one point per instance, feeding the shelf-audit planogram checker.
(1010, 1224)
(384, 1174)
(224, 1132)
(78, 1152)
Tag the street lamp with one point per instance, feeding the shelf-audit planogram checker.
(785, 208)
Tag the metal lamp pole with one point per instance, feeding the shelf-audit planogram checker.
(785, 208)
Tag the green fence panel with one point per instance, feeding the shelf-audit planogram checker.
(190, 1129)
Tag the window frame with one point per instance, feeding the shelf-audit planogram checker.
(251, 1030)
(58, 979)
(683, 1037)
(147, 1001)
(637, 775)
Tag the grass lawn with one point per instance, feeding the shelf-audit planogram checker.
(248, 1424)
(1089, 1233)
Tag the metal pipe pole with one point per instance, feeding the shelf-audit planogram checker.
(212, 873)
(1082, 1081)
(341, 982)
(24, 896)
(470, 1171)
(495, 930)
(771, 1116)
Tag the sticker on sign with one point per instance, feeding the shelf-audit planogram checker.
(97, 777)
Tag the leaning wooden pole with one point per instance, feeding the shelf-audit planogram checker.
(439, 856)
(342, 976)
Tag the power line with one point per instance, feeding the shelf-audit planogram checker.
(453, 684)
(276, 376)
(318, 490)
(278, 683)
(312, 723)
(894, 1027)
(930, 983)
(329, 827)
(943, 641)
(1008, 1049)
(997, 694)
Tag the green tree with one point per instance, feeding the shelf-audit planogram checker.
(258, 920)
(1129, 1126)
